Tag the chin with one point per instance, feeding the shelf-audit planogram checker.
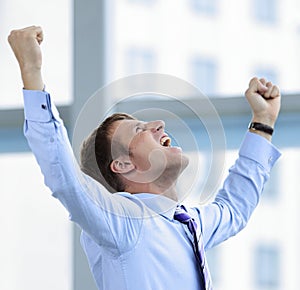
(178, 165)
(184, 162)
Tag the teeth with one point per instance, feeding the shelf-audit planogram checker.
(165, 141)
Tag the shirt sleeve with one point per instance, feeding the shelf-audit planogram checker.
(102, 215)
(241, 191)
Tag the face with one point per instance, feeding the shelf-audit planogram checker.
(150, 149)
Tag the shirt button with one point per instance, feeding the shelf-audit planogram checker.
(44, 107)
(270, 160)
(51, 139)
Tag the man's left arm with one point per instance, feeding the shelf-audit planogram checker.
(241, 191)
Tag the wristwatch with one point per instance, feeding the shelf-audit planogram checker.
(261, 127)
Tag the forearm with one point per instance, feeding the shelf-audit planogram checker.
(241, 191)
(45, 133)
(264, 120)
(48, 140)
(32, 79)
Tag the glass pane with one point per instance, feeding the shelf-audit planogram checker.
(139, 60)
(233, 38)
(267, 73)
(55, 17)
(265, 11)
(36, 244)
(271, 191)
(267, 267)
(204, 75)
(205, 6)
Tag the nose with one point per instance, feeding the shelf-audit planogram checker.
(155, 126)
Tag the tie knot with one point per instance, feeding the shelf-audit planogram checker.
(182, 215)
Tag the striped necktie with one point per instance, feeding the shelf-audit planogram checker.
(182, 216)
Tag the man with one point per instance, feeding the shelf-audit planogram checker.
(139, 238)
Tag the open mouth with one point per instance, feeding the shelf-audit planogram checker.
(165, 141)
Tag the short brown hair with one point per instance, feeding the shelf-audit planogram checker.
(96, 154)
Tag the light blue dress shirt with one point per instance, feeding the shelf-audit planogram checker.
(131, 241)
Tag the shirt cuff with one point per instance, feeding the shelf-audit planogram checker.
(259, 149)
(38, 106)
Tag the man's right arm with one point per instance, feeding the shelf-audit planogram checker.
(47, 136)
(242, 189)
(88, 203)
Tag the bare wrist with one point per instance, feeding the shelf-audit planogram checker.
(32, 79)
(264, 120)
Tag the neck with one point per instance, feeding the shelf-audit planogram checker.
(164, 185)
(168, 190)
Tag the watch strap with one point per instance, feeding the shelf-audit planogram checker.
(261, 127)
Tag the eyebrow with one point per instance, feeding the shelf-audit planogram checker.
(138, 124)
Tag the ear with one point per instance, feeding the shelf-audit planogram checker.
(121, 165)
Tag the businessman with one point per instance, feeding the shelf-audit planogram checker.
(140, 237)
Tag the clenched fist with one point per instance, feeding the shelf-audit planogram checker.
(25, 44)
(264, 99)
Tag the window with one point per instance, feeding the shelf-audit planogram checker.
(269, 74)
(265, 11)
(204, 75)
(57, 63)
(271, 189)
(146, 2)
(35, 230)
(267, 267)
(139, 60)
(206, 6)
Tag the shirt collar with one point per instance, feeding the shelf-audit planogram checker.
(159, 204)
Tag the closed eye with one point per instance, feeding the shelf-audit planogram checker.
(139, 129)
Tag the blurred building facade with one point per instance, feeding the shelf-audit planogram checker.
(218, 46)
